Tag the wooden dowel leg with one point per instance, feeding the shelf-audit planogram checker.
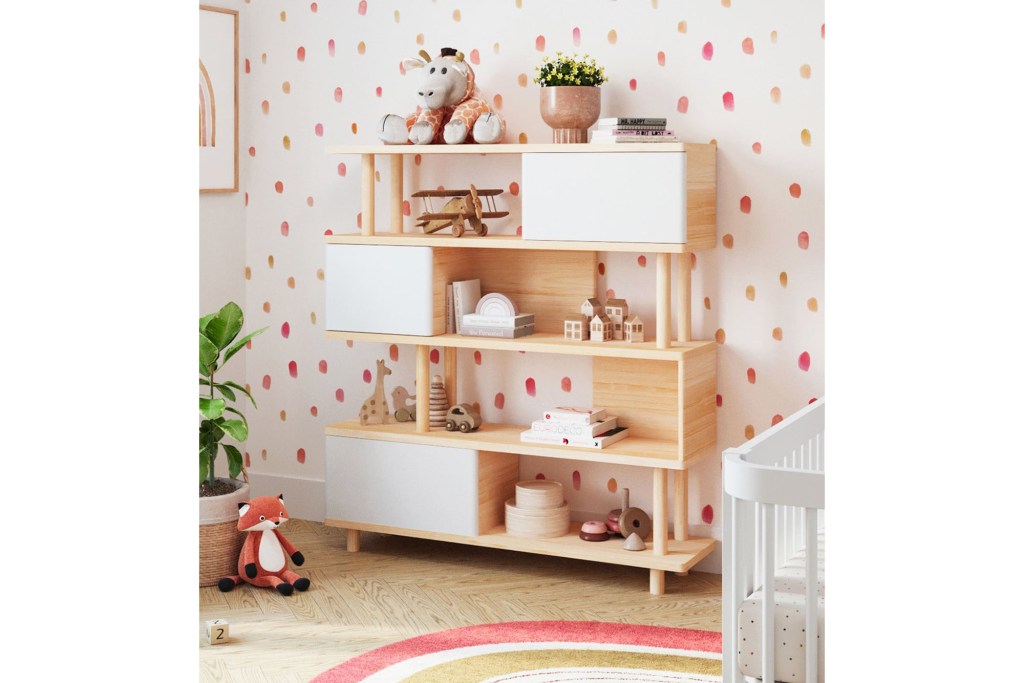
(657, 582)
(684, 309)
(368, 194)
(664, 300)
(352, 540)
(451, 374)
(422, 388)
(680, 509)
(396, 192)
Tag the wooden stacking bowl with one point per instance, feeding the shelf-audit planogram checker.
(536, 523)
(539, 494)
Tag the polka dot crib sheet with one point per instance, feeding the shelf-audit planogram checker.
(790, 609)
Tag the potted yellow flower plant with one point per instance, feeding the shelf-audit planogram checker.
(570, 95)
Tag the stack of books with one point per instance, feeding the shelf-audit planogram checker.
(581, 427)
(502, 326)
(612, 130)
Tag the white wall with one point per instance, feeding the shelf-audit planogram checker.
(301, 94)
(222, 227)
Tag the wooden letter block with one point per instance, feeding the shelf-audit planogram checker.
(217, 631)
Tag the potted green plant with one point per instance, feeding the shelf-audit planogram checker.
(220, 542)
(570, 95)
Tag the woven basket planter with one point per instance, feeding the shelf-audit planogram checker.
(220, 541)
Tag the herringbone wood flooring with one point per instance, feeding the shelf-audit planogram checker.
(396, 588)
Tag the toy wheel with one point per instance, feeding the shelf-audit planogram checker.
(457, 229)
(463, 427)
(450, 425)
(483, 229)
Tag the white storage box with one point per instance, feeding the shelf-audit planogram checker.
(414, 486)
(384, 290)
(605, 196)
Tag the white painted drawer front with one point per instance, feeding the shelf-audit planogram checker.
(605, 197)
(428, 488)
(379, 289)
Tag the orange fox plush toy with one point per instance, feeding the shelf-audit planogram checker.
(264, 558)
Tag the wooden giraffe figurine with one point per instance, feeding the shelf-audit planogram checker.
(374, 410)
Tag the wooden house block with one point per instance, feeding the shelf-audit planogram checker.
(617, 311)
(633, 329)
(577, 327)
(600, 328)
(591, 307)
(217, 631)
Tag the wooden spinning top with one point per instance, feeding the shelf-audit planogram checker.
(438, 402)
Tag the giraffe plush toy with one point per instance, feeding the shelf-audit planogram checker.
(374, 410)
(448, 109)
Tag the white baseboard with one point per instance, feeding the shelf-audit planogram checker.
(303, 497)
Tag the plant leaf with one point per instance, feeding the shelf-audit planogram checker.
(225, 325)
(208, 353)
(238, 429)
(227, 393)
(204, 321)
(237, 346)
(239, 387)
(204, 465)
(234, 460)
(229, 409)
(211, 408)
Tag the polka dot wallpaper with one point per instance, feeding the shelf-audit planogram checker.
(747, 75)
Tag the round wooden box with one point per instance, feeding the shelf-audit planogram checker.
(536, 523)
(539, 494)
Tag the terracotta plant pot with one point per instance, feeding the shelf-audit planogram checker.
(570, 110)
(220, 541)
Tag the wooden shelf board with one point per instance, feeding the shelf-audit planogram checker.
(410, 239)
(540, 342)
(654, 147)
(504, 438)
(681, 557)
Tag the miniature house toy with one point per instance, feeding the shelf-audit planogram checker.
(591, 307)
(577, 327)
(600, 328)
(633, 329)
(617, 310)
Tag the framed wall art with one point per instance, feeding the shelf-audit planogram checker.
(218, 99)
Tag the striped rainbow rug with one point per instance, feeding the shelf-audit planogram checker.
(541, 652)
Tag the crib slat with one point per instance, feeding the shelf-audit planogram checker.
(737, 592)
(768, 603)
(811, 627)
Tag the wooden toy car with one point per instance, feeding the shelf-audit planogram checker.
(463, 418)
(464, 206)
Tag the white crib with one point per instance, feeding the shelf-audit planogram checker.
(773, 501)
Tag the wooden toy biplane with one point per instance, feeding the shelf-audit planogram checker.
(463, 207)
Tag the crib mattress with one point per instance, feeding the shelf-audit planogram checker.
(790, 610)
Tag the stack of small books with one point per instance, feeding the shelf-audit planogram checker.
(502, 326)
(582, 427)
(613, 130)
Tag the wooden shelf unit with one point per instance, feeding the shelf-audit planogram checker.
(663, 389)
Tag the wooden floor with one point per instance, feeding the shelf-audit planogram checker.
(396, 588)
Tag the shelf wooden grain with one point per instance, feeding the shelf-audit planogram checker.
(539, 342)
(515, 149)
(407, 239)
(680, 557)
(505, 438)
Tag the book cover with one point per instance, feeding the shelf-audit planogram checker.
(497, 332)
(585, 416)
(574, 430)
(632, 138)
(480, 320)
(597, 442)
(465, 295)
(449, 310)
(631, 121)
(635, 126)
(629, 131)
